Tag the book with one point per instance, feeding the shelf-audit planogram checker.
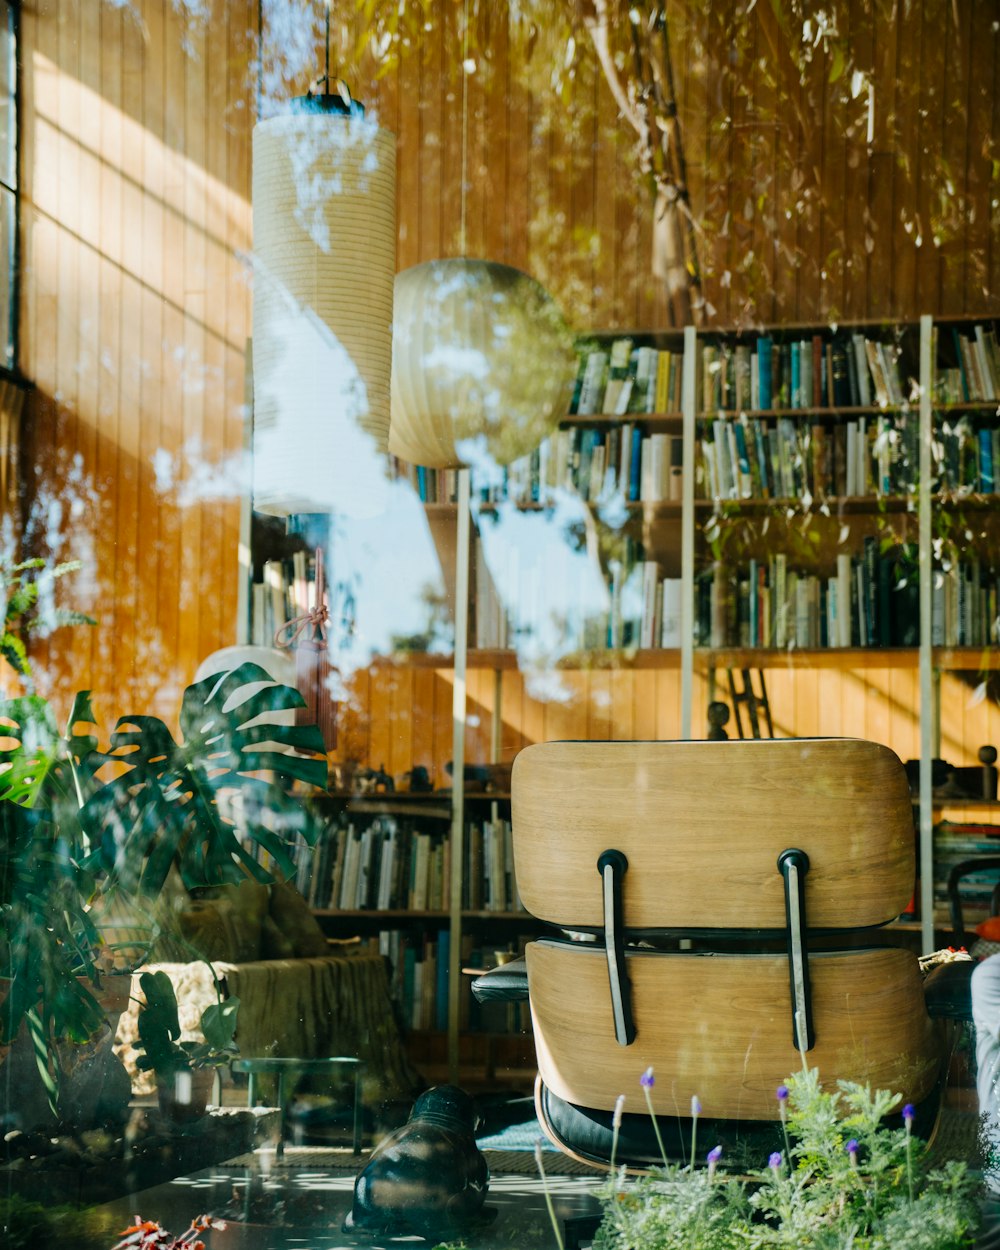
(764, 349)
(675, 477)
(670, 629)
(592, 390)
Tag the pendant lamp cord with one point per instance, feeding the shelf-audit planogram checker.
(327, 46)
(465, 124)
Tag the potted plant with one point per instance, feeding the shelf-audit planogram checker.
(79, 826)
(185, 1070)
(847, 1178)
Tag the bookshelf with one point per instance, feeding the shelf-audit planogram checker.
(860, 467)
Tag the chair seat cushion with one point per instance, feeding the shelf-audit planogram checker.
(507, 983)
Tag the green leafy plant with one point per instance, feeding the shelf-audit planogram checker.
(173, 802)
(159, 1042)
(47, 938)
(844, 1182)
(21, 587)
(78, 825)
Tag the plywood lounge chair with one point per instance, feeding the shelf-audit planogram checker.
(715, 911)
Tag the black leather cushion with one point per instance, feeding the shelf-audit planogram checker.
(948, 990)
(507, 983)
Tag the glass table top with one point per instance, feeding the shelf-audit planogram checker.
(291, 1206)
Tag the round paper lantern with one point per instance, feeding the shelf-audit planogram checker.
(324, 218)
(479, 351)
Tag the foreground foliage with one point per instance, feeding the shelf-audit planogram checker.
(846, 1182)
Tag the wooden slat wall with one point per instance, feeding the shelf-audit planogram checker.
(136, 219)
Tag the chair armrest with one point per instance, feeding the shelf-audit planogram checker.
(948, 990)
(507, 983)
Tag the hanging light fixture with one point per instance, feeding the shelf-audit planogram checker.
(324, 218)
(481, 359)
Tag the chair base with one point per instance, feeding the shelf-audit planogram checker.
(587, 1135)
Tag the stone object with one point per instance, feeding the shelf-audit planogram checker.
(428, 1178)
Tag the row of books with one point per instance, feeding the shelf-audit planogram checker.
(787, 458)
(418, 982)
(626, 378)
(430, 485)
(965, 597)
(739, 457)
(813, 372)
(418, 976)
(867, 600)
(975, 374)
(393, 863)
(283, 593)
(560, 602)
(817, 371)
(967, 453)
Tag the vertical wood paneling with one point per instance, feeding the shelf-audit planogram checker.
(430, 102)
(856, 182)
(956, 150)
(193, 533)
(981, 151)
(908, 114)
(881, 165)
(644, 706)
(602, 297)
(937, 25)
(408, 134)
(518, 146)
(136, 306)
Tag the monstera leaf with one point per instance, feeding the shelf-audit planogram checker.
(198, 802)
(42, 767)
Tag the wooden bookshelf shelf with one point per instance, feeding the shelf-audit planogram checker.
(839, 658)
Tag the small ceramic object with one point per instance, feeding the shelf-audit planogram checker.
(428, 1178)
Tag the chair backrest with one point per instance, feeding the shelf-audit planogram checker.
(695, 832)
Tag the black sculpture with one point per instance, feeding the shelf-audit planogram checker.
(428, 1178)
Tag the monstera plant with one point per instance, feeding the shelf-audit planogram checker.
(200, 804)
(78, 823)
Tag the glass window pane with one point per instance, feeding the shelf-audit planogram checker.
(8, 218)
(8, 100)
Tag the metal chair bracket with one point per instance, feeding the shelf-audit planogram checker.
(612, 865)
(793, 866)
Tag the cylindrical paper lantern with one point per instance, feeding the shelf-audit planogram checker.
(478, 349)
(324, 217)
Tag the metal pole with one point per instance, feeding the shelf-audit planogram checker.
(927, 716)
(687, 530)
(458, 716)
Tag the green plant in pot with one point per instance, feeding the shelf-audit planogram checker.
(53, 961)
(81, 827)
(184, 1069)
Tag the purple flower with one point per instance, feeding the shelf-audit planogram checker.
(774, 1163)
(647, 1080)
(782, 1093)
(852, 1150)
(908, 1114)
(712, 1159)
(696, 1109)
